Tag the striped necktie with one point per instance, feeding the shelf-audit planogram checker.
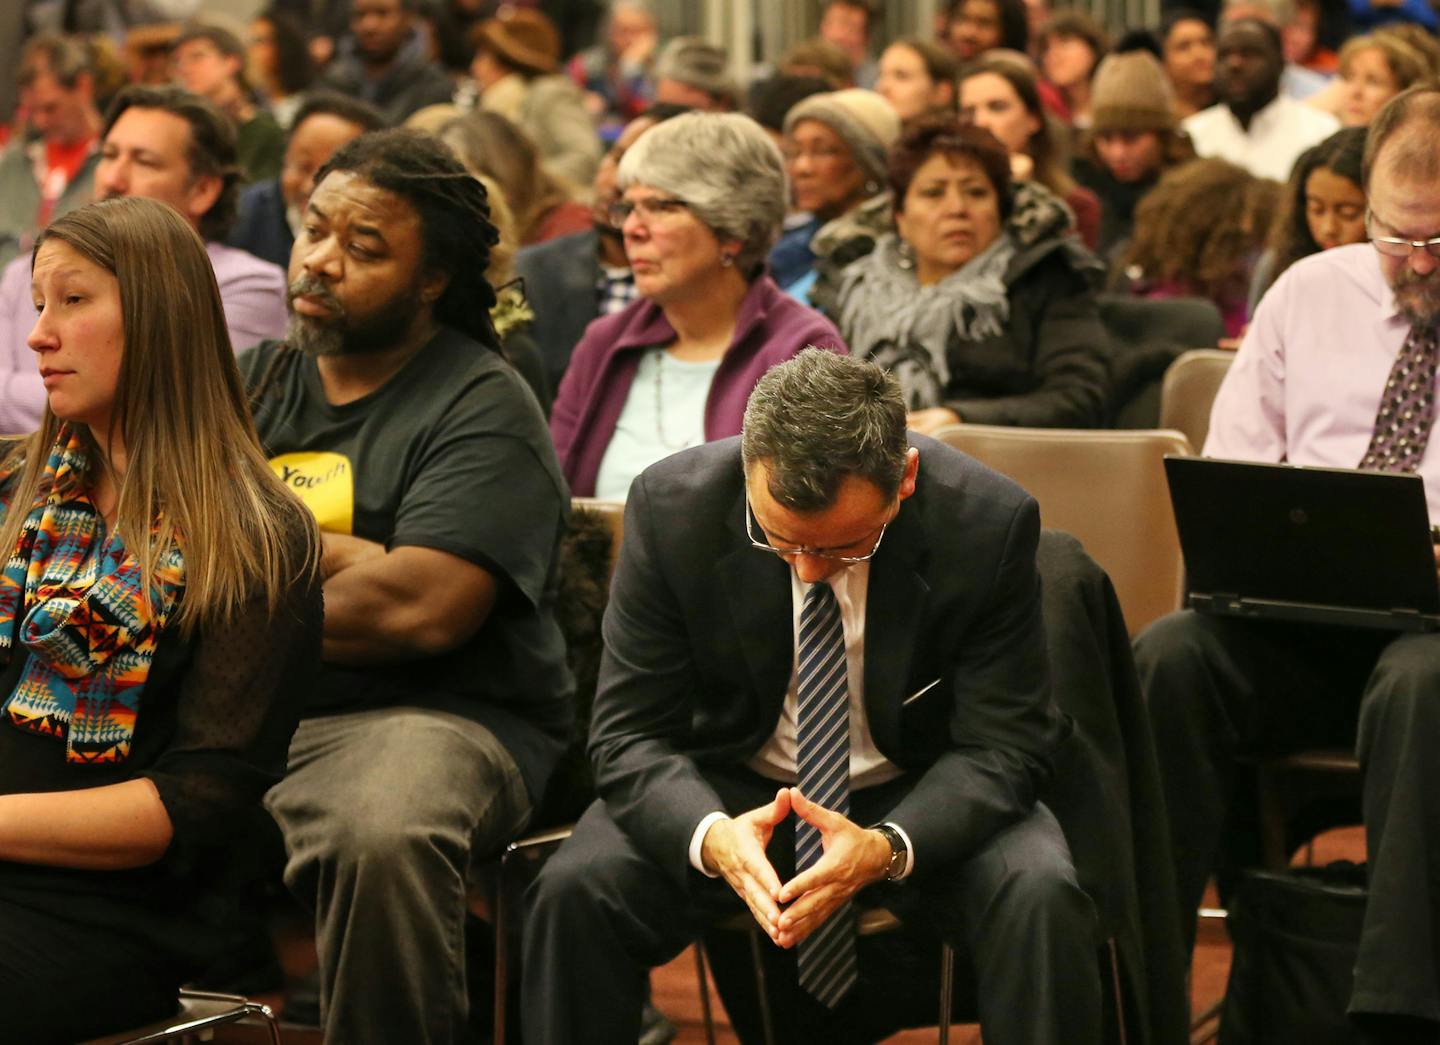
(826, 957)
(1407, 406)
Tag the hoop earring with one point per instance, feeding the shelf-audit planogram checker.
(872, 187)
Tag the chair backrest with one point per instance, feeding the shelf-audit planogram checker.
(613, 512)
(1108, 489)
(1189, 391)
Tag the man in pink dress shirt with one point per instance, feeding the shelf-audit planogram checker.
(1306, 387)
(169, 145)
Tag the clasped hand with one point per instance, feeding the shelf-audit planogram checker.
(852, 858)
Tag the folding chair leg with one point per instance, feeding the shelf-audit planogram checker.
(762, 992)
(1114, 952)
(700, 974)
(502, 951)
(947, 982)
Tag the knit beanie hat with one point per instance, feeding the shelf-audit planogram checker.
(863, 119)
(1130, 92)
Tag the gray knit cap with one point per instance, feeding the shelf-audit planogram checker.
(863, 119)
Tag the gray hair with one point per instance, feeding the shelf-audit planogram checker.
(728, 171)
(696, 62)
(821, 417)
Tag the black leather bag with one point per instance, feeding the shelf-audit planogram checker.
(1296, 934)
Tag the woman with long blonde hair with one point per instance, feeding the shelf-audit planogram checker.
(159, 615)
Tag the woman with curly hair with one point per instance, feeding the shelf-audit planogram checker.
(1323, 207)
(1196, 234)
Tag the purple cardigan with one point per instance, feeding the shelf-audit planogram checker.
(770, 328)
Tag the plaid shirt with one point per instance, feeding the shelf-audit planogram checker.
(614, 290)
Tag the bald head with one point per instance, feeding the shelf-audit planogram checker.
(1402, 137)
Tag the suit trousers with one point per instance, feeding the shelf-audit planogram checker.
(381, 812)
(602, 913)
(1219, 688)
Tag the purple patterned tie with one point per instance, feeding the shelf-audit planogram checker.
(1407, 406)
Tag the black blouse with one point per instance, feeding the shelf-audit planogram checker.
(212, 733)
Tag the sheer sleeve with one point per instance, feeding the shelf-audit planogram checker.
(237, 706)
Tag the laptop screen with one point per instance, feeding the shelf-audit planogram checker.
(1316, 536)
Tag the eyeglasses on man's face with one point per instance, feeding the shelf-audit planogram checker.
(655, 208)
(832, 554)
(1397, 246)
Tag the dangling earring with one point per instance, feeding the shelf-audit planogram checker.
(907, 255)
(872, 187)
(726, 260)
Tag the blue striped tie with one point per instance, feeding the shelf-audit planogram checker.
(826, 957)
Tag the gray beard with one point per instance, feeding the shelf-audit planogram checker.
(314, 339)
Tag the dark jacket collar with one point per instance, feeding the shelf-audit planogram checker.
(758, 588)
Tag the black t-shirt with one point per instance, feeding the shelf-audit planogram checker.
(451, 453)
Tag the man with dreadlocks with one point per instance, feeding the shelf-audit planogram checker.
(443, 699)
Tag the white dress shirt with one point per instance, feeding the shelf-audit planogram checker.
(1278, 134)
(776, 757)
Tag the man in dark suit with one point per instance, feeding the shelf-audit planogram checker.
(805, 621)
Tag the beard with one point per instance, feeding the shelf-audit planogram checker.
(343, 332)
(1417, 297)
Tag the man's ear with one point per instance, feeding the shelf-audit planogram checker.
(912, 471)
(433, 287)
(201, 196)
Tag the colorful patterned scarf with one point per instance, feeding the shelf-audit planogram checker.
(76, 592)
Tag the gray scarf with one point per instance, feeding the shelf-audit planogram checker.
(888, 317)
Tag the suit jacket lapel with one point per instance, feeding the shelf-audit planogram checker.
(757, 587)
(895, 604)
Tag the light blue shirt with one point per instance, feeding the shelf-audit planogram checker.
(664, 413)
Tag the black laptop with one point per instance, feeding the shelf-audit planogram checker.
(1326, 545)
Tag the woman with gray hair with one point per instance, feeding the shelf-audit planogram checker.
(701, 200)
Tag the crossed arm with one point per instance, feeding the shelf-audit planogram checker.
(383, 606)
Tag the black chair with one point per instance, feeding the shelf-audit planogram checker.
(199, 1013)
(1146, 336)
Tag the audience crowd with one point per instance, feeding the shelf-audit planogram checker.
(469, 260)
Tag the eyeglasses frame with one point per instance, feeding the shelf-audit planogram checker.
(765, 546)
(1431, 246)
(620, 210)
